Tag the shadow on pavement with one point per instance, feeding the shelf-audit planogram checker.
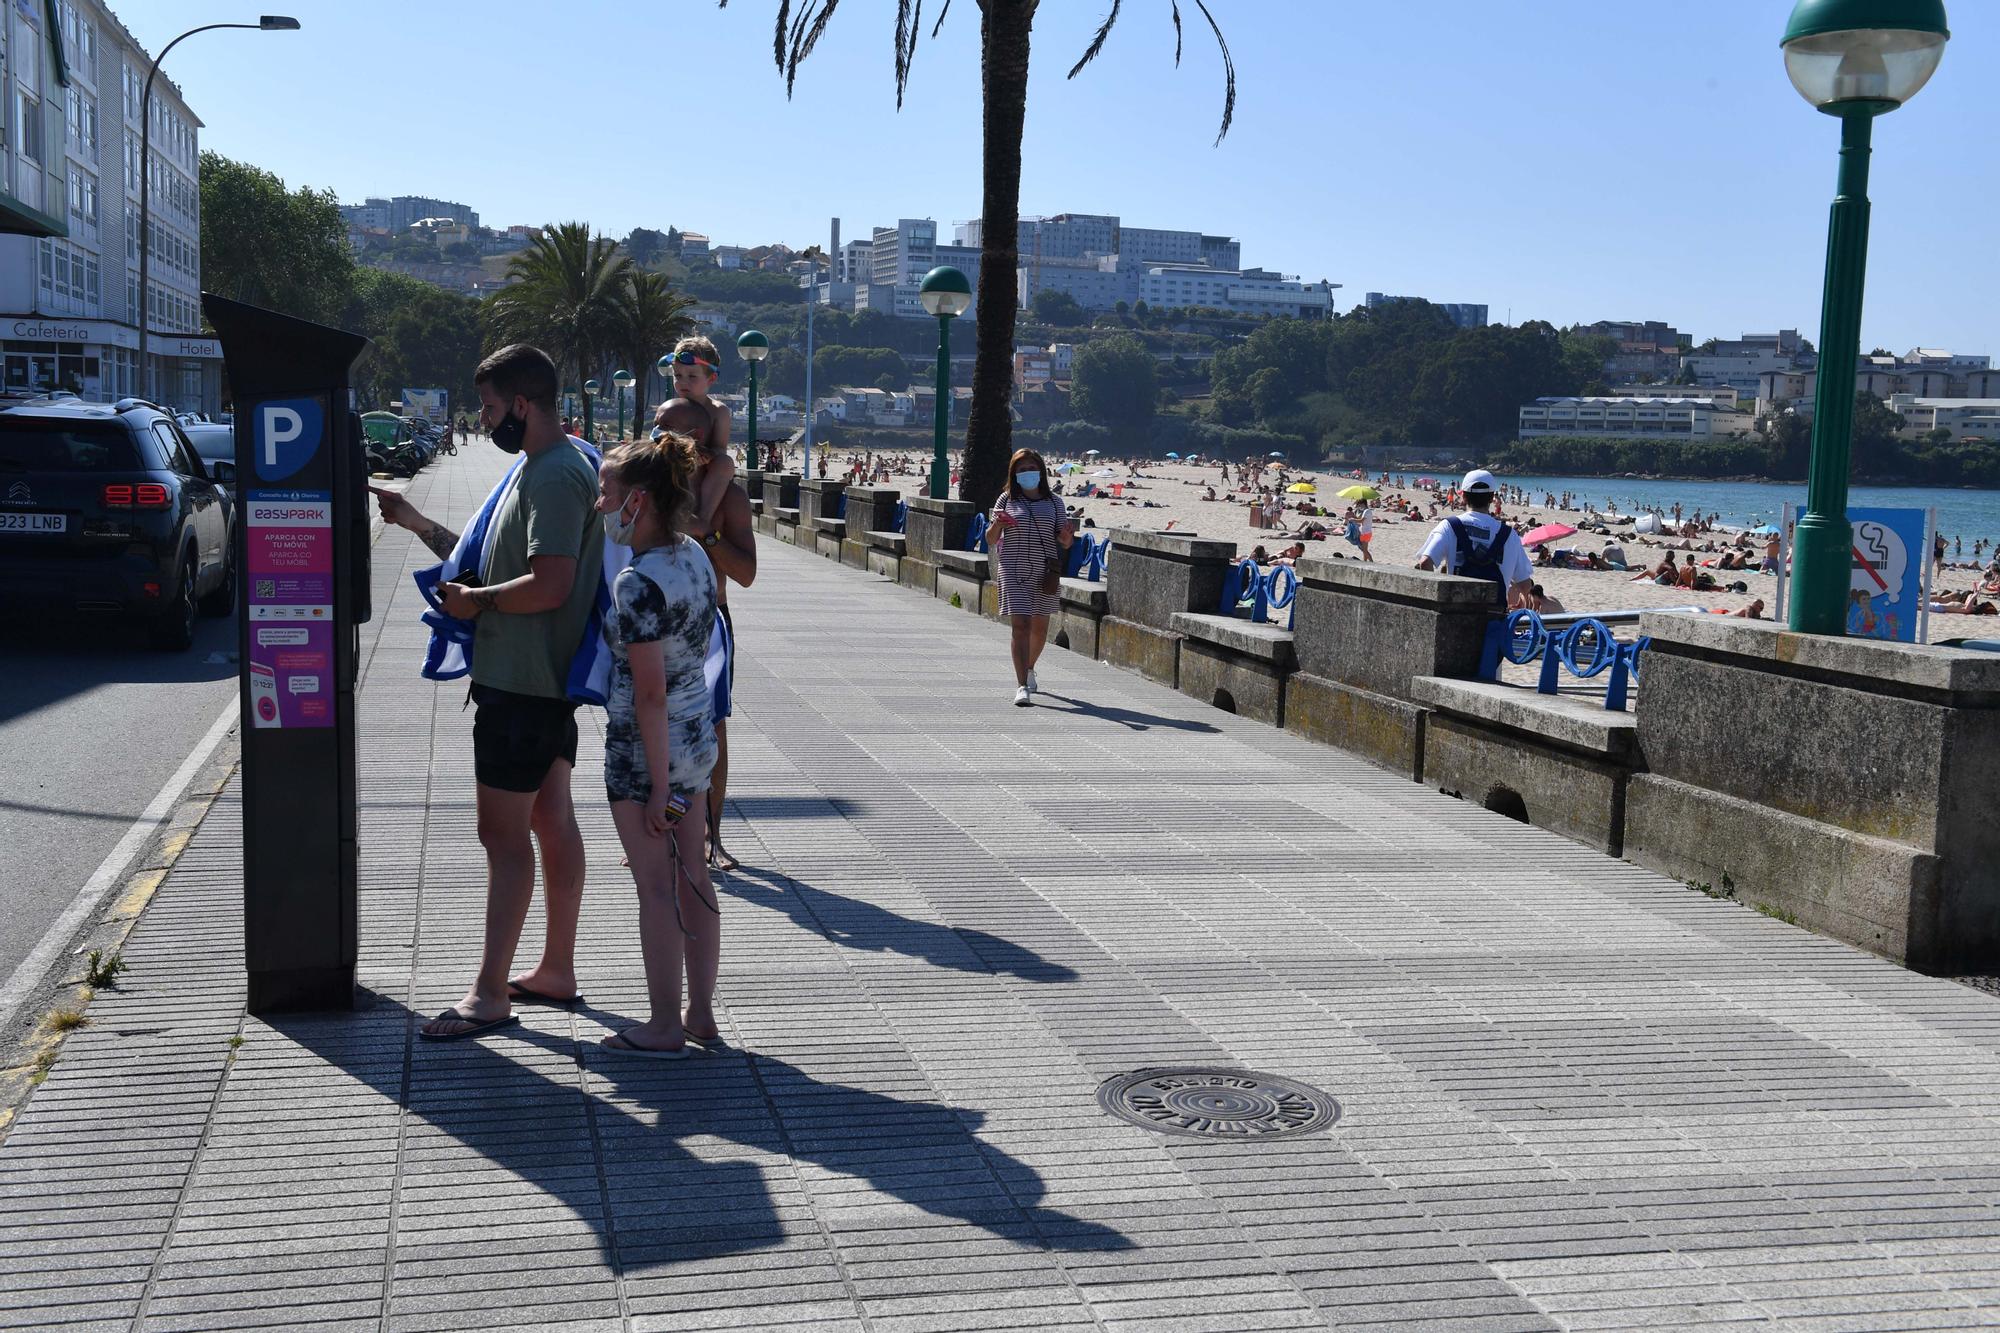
(1124, 717)
(693, 1157)
(854, 924)
(59, 658)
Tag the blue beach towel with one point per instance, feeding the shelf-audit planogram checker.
(449, 652)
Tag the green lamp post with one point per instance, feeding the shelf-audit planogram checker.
(623, 380)
(945, 293)
(752, 347)
(1855, 59)
(665, 365)
(590, 388)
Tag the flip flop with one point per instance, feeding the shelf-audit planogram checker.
(618, 1044)
(716, 1040)
(520, 994)
(480, 1026)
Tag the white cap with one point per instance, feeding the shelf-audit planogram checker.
(1479, 479)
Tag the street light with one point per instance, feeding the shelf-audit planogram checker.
(143, 315)
(623, 378)
(752, 347)
(945, 293)
(1855, 59)
(665, 365)
(590, 388)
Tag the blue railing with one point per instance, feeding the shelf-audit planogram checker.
(975, 536)
(1087, 557)
(902, 515)
(1583, 645)
(1275, 589)
(840, 505)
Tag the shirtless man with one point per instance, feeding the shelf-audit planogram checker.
(731, 546)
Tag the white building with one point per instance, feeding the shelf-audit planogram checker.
(1721, 396)
(729, 256)
(69, 302)
(1965, 418)
(1632, 418)
(1248, 291)
(902, 254)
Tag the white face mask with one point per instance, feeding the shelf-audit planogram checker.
(620, 528)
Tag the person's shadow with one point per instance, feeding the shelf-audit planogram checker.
(855, 924)
(633, 1152)
(1124, 717)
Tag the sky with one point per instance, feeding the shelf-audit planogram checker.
(1567, 160)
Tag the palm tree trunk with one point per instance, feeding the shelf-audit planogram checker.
(1003, 30)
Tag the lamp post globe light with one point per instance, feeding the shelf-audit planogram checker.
(623, 379)
(665, 365)
(143, 315)
(590, 388)
(752, 347)
(1855, 59)
(945, 293)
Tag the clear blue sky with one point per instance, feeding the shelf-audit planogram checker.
(1568, 160)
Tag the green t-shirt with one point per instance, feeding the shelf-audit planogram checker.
(551, 511)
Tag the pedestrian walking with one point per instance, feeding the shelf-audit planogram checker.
(1028, 532)
(1477, 545)
(659, 737)
(528, 599)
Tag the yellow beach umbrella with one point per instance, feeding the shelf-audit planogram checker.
(1358, 492)
(1301, 488)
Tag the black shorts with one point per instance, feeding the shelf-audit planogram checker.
(517, 737)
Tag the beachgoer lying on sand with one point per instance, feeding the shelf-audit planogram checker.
(1754, 611)
(1541, 603)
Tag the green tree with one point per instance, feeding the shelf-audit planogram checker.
(420, 337)
(1005, 27)
(651, 316)
(784, 371)
(270, 247)
(646, 246)
(1114, 383)
(567, 298)
(1059, 308)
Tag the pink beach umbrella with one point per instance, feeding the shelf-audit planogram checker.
(1548, 532)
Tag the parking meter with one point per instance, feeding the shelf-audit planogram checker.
(302, 571)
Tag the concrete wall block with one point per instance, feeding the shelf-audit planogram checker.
(828, 545)
(819, 499)
(937, 525)
(886, 563)
(913, 572)
(781, 490)
(871, 508)
(989, 600)
(1517, 775)
(1386, 730)
(1871, 892)
(1075, 629)
(1153, 575)
(1153, 653)
(854, 551)
(766, 524)
(1379, 642)
(789, 532)
(951, 583)
(1231, 681)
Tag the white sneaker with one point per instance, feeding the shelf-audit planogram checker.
(1021, 697)
(1033, 688)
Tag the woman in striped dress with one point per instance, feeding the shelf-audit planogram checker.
(1028, 529)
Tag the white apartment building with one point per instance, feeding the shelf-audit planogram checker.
(1631, 418)
(1248, 291)
(70, 302)
(902, 254)
(1925, 374)
(1965, 418)
(1721, 396)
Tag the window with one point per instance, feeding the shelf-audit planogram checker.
(28, 115)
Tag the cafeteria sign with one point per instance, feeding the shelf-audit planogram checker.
(1889, 590)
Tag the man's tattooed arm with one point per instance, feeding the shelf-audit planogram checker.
(486, 599)
(440, 539)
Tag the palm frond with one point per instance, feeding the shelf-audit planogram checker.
(1228, 66)
(1104, 31)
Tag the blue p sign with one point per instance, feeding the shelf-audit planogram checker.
(285, 433)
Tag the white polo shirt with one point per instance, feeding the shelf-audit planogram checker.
(1442, 547)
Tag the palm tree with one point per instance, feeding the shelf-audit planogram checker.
(1004, 29)
(565, 298)
(651, 315)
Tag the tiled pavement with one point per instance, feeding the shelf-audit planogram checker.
(1576, 1095)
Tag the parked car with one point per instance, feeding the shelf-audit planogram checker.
(215, 445)
(110, 509)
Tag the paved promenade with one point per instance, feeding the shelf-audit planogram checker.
(1574, 1094)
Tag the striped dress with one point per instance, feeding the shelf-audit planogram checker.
(1024, 554)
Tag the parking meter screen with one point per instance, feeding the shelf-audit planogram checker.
(288, 572)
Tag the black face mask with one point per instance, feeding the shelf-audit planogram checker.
(510, 432)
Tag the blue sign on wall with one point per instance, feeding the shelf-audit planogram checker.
(285, 433)
(1888, 593)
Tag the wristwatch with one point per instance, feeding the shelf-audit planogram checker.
(711, 539)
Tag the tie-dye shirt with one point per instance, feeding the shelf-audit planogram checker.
(665, 596)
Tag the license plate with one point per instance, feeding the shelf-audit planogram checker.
(34, 522)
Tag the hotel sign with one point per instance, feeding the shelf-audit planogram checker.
(108, 333)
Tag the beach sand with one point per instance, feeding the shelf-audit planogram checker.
(1177, 489)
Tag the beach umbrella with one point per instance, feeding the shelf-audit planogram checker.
(1171, 454)
(1359, 493)
(1105, 472)
(1300, 488)
(1764, 530)
(1548, 532)
(1277, 453)
(1090, 453)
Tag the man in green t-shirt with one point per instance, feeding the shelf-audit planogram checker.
(543, 566)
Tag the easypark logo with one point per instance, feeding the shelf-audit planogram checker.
(288, 514)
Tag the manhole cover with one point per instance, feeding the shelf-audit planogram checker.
(1218, 1103)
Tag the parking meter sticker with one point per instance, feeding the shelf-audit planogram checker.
(273, 638)
(285, 433)
(291, 668)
